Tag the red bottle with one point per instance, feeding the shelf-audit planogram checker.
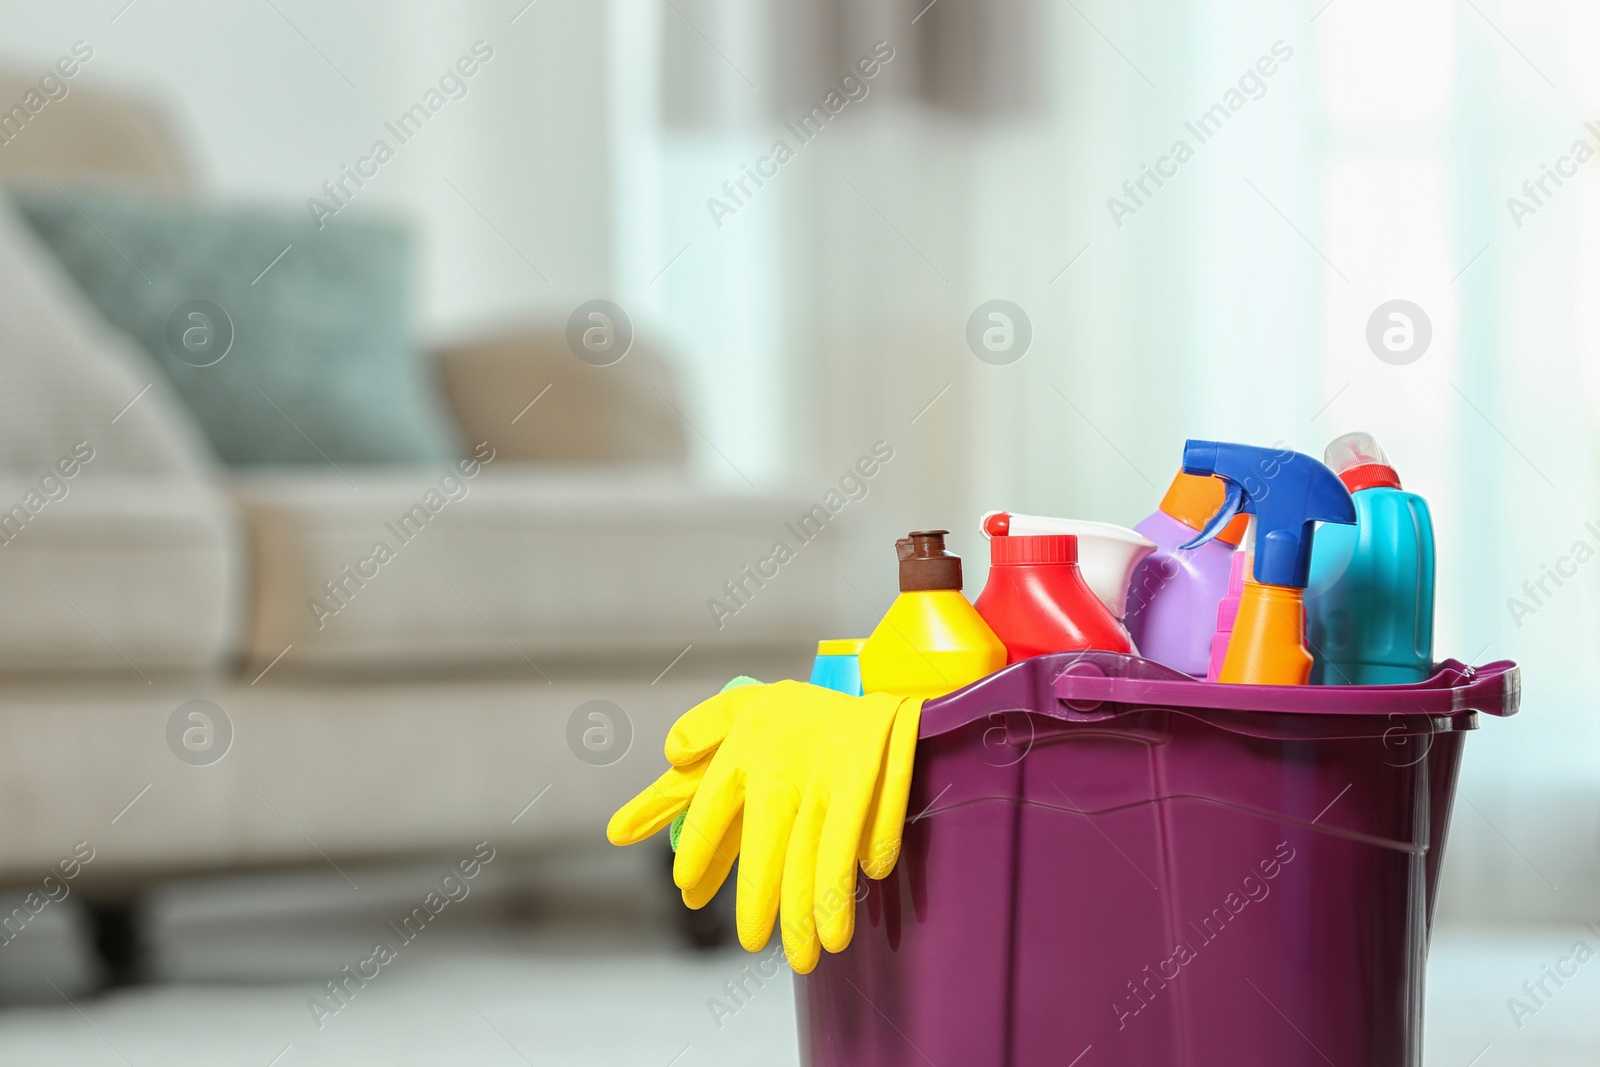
(1036, 601)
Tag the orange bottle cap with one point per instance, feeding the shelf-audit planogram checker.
(1193, 498)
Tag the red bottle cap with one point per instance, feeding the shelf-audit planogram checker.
(1047, 548)
(1368, 476)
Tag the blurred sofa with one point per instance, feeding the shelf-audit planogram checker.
(442, 697)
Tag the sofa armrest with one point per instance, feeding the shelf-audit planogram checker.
(99, 135)
(624, 412)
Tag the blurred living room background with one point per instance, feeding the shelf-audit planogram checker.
(243, 345)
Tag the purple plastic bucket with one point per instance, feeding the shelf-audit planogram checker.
(1107, 863)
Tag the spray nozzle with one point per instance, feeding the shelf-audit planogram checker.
(1286, 491)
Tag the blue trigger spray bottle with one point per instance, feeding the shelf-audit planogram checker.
(1288, 493)
(1369, 605)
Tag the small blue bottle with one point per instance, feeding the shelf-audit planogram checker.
(1369, 603)
(838, 665)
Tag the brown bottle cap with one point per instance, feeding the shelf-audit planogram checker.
(924, 563)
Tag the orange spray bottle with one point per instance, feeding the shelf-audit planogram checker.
(1288, 493)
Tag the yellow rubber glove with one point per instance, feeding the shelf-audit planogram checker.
(693, 739)
(677, 824)
(675, 790)
(808, 782)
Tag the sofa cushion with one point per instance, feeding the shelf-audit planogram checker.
(108, 136)
(289, 344)
(524, 390)
(139, 577)
(521, 562)
(118, 550)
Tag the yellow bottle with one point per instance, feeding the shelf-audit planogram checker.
(931, 641)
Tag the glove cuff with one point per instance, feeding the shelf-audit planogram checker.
(882, 847)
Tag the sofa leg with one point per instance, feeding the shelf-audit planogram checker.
(118, 931)
(711, 926)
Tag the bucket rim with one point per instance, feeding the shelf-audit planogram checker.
(1095, 686)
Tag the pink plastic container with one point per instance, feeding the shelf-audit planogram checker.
(1107, 863)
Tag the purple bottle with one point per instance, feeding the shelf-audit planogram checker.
(1173, 596)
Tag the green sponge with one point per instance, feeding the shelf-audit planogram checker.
(676, 830)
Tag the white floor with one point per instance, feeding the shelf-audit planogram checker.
(1473, 974)
(477, 994)
(477, 988)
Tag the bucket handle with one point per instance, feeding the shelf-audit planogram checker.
(1455, 688)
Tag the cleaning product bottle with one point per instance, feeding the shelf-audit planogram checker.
(931, 641)
(1287, 492)
(1036, 601)
(1107, 553)
(1228, 613)
(838, 665)
(1369, 605)
(1174, 594)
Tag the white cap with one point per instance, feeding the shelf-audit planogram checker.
(1353, 450)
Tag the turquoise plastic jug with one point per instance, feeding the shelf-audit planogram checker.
(1369, 603)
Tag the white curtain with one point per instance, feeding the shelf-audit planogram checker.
(1365, 152)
